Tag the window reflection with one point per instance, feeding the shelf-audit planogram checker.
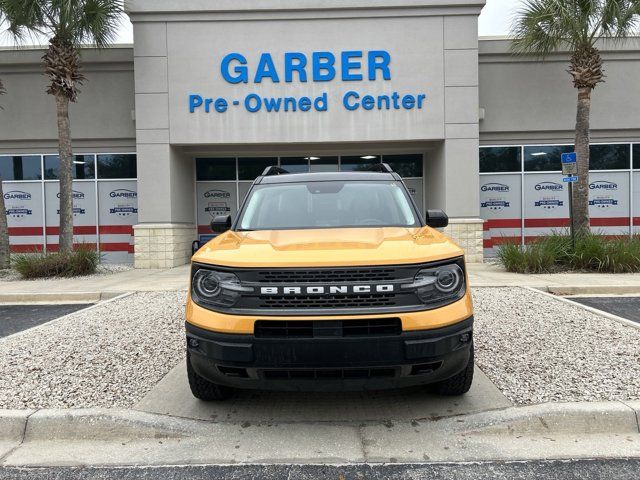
(358, 162)
(20, 167)
(83, 167)
(545, 158)
(117, 166)
(500, 159)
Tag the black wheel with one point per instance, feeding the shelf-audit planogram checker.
(202, 388)
(460, 383)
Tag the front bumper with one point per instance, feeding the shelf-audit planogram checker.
(346, 363)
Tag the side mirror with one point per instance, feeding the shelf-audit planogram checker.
(195, 246)
(221, 223)
(436, 219)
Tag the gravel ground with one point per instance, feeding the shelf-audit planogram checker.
(534, 348)
(109, 356)
(537, 349)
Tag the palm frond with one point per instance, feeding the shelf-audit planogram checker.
(77, 21)
(543, 26)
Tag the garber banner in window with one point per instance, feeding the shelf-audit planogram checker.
(500, 206)
(214, 198)
(117, 213)
(84, 213)
(609, 202)
(23, 202)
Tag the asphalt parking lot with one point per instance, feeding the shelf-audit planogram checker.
(15, 318)
(625, 307)
(611, 469)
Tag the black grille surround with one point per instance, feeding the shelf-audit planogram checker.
(334, 275)
(330, 303)
(327, 328)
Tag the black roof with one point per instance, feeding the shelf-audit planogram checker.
(326, 177)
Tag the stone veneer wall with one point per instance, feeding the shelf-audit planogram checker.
(467, 232)
(163, 245)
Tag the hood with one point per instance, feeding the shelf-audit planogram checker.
(328, 247)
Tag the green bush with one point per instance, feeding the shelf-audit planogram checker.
(555, 253)
(82, 261)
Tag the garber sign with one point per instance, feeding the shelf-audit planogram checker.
(347, 66)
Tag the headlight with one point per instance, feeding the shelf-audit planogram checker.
(439, 286)
(215, 288)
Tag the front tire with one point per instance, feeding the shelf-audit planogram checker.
(202, 388)
(460, 383)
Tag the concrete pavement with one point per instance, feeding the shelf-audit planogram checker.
(171, 396)
(95, 288)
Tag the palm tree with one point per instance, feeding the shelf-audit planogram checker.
(545, 26)
(67, 24)
(4, 228)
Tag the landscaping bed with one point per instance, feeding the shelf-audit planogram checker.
(533, 347)
(102, 269)
(537, 349)
(109, 356)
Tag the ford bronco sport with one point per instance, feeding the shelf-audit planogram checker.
(329, 281)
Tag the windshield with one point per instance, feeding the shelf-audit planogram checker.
(331, 204)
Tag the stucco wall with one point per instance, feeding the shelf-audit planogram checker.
(102, 117)
(527, 100)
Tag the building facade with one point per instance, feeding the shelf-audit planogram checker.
(172, 131)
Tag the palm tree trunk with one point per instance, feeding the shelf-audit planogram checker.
(65, 175)
(4, 233)
(581, 187)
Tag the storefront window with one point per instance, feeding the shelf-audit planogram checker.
(295, 164)
(20, 167)
(636, 156)
(500, 159)
(358, 163)
(249, 168)
(609, 157)
(215, 168)
(545, 158)
(323, 164)
(405, 165)
(117, 166)
(83, 167)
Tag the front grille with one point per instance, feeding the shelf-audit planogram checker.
(326, 276)
(327, 328)
(328, 373)
(327, 290)
(328, 301)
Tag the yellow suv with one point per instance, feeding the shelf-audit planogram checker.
(329, 281)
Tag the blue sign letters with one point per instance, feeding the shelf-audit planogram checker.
(354, 66)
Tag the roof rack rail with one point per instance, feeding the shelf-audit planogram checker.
(380, 168)
(273, 170)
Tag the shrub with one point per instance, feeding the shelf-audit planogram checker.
(82, 261)
(556, 252)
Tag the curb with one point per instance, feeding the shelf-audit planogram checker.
(602, 313)
(592, 289)
(105, 424)
(72, 297)
(122, 438)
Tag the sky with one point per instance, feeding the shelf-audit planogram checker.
(494, 20)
